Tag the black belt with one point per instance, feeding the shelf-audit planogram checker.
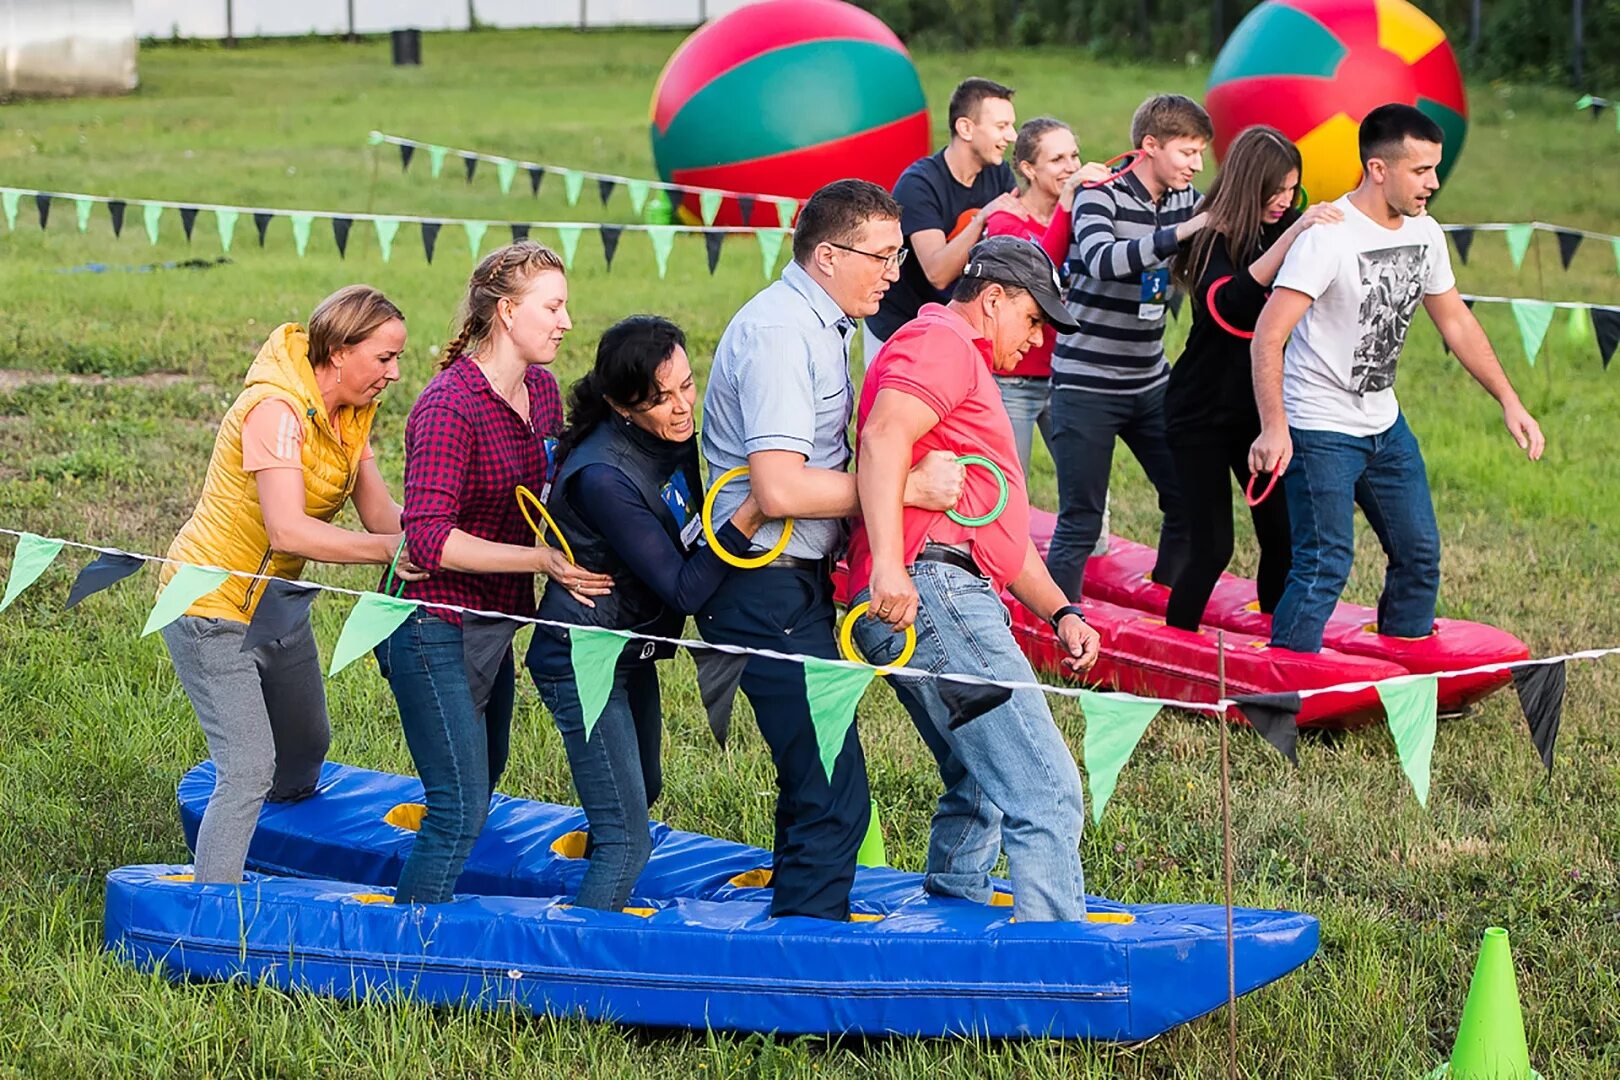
(951, 557)
(794, 562)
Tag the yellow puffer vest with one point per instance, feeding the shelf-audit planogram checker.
(227, 528)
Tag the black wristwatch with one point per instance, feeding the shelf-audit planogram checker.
(1066, 609)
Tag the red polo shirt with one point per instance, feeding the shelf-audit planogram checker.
(939, 360)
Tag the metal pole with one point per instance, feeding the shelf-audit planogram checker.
(584, 14)
(1226, 854)
(1217, 27)
(352, 35)
(1578, 30)
(230, 24)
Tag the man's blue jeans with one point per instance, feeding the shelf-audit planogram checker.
(1010, 779)
(1331, 474)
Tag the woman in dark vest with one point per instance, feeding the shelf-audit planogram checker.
(626, 498)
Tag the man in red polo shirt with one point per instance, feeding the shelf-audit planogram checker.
(1009, 777)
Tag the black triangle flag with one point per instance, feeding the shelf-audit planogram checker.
(405, 152)
(340, 233)
(43, 201)
(712, 239)
(1606, 321)
(745, 206)
(261, 221)
(1569, 242)
(471, 163)
(1464, 239)
(718, 676)
(1174, 300)
(107, 570)
(1275, 718)
(674, 196)
(520, 231)
(1470, 301)
(610, 242)
(536, 174)
(282, 609)
(188, 219)
(1541, 696)
(430, 236)
(966, 702)
(604, 188)
(115, 207)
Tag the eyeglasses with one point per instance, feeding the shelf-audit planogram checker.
(890, 262)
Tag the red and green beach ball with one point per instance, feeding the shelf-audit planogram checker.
(781, 97)
(1314, 68)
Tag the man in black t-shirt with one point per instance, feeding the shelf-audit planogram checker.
(944, 200)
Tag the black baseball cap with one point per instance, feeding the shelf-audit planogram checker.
(1010, 260)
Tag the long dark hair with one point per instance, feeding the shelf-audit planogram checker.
(1256, 164)
(625, 374)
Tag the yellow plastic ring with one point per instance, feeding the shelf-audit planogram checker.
(524, 493)
(752, 562)
(846, 641)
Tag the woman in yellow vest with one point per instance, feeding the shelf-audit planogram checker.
(290, 452)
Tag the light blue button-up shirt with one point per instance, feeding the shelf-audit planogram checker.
(780, 381)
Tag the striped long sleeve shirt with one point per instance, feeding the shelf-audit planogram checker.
(1119, 232)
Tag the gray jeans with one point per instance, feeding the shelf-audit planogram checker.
(264, 715)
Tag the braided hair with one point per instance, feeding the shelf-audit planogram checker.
(501, 273)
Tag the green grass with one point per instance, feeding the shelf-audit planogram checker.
(94, 730)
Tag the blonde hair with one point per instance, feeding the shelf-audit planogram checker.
(501, 274)
(346, 318)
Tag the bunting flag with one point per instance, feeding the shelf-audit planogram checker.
(387, 228)
(604, 189)
(506, 172)
(405, 152)
(469, 163)
(594, 653)
(1615, 240)
(573, 184)
(475, 235)
(536, 174)
(833, 691)
(966, 702)
(1275, 718)
(872, 852)
(1411, 707)
(340, 235)
(33, 556)
(43, 202)
(103, 572)
(1579, 327)
(1569, 242)
(188, 585)
(300, 229)
(82, 208)
(372, 619)
(9, 201)
(569, 235)
(663, 240)
(261, 222)
(786, 211)
(1541, 695)
(1606, 321)
(430, 237)
(115, 209)
(152, 213)
(1114, 725)
(188, 220)
(225, 225)
(1463, 238)
(637, 190)
(1174, 299)
(436, 159)
(520, 231)
(709, 205)
(1518, 242)
(719, 675)
(712, 239)
(283, 607)
(770, 249)
(1533, 318)
(745, 207)
(610, 242)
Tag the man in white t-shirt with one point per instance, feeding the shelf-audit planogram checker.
(1329, 420)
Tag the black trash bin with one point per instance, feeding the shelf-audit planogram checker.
(407, 47)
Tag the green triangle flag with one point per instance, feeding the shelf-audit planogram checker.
(1616, 240)
(569, 235)
(638, 190)
(573, 183)
(1533, 317)
(872, 852)
(709, 205)
(1579, 327)
(436, 158)
(82, 207)
(387, 228)
(375, 138)
(33, 555)
(226, 221)
(9, 200)
(663, 240)
(770, 249)
(594, 652)
(834, 690)
(1518, 242)
(785, 209)
(189, 584)
(373, 617)
(1114, 725)
(1584, 102)
(1411, 709)
(152, 213)
(475, 235)
(300, 227)
(505, 172)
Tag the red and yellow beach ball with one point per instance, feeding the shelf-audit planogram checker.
(1314, 68)
(783, 96)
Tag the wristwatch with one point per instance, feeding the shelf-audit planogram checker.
(1066, 609)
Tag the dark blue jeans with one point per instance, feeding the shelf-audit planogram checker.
(617, 774)
(1331, 474)
(459, 753)
(819, 825)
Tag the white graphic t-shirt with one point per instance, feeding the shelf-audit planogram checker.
(1366, 282)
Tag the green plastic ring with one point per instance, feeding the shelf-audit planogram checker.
(1001, 501)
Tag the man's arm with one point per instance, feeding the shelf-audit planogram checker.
(1466, 338)
(943, 260)
(1035, 589)
(1273, 450)
(1105, 257)
(888, 437)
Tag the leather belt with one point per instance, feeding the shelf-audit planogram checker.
(795, 562)
(951, 557)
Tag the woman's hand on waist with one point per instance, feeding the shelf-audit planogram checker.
(582, 584)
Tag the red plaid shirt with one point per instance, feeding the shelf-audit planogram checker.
(466, 452)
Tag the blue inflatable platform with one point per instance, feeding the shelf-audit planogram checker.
(697, 948)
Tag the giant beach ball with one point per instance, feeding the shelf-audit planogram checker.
(1314, 68)
(781, 97)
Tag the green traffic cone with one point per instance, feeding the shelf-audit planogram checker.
(1490, 1039)
(872, 852)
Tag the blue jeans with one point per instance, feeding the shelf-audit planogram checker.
(616, 774)
(1331, 474)
(1028, 402)
(1010, 779)
(459, 753)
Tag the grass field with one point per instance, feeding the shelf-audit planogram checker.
(111, 385)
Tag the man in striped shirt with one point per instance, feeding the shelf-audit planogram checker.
(1108, 380)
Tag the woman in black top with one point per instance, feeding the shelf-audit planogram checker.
(626, 498)
(1210, 414)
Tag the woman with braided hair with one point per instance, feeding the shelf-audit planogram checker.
(477, 433)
